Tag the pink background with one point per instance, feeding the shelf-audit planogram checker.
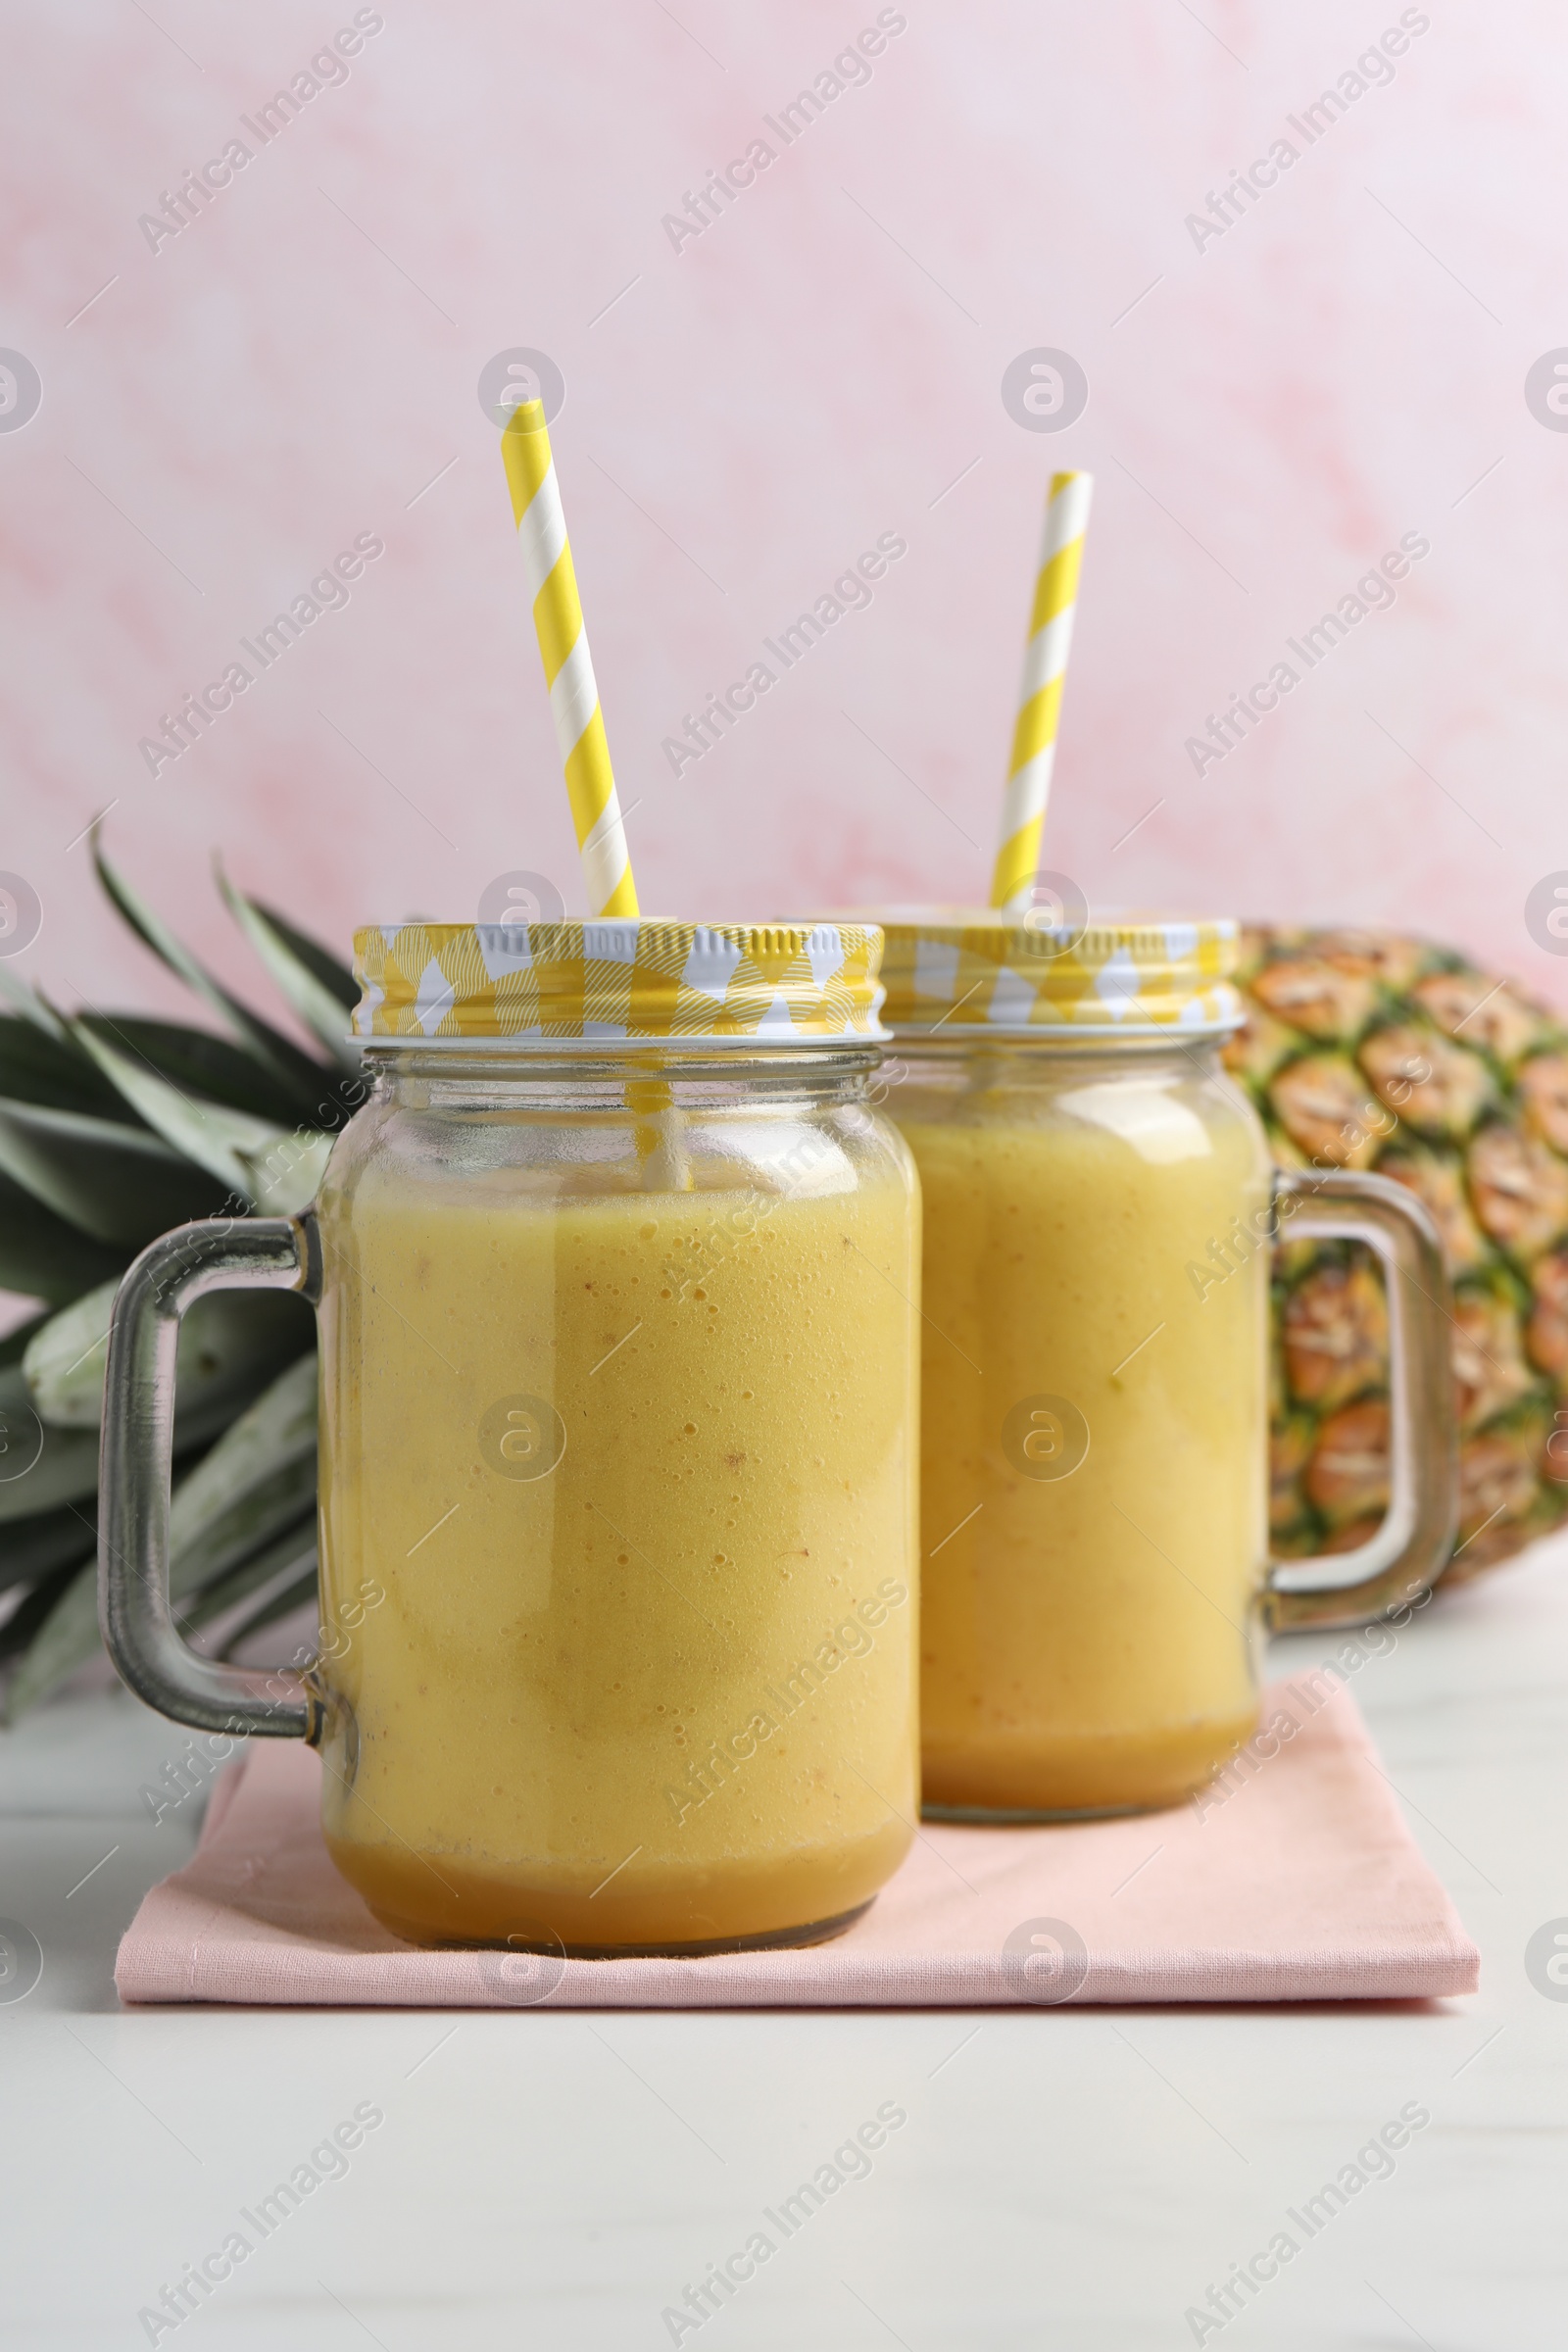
(1342, 367)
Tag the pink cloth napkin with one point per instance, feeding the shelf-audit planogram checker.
(1294, 1879)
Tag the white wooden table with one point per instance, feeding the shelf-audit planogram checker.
(1075, 2179)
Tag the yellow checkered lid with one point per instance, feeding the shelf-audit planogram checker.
(966, 969)
(613, 981)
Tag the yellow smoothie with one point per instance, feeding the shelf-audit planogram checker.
(644, 1671)
(1088, 1635)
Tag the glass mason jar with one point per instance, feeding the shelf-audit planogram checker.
(616, 1274)
(1098, 1213)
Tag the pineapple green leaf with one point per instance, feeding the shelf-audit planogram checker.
(272, 1170)
(34, 1547)
(54, 1072)
(33, 1611)
(298, 1071)
(41, 1257)
(281, 1602)
(40, 1467)
(288, 1177)
(193, 1059)
(29, 1005)
(240, 1493)
(13, 1346)
(121, 1185)
(230, 1343)
(64, 1361)
(206, 1133)
(319, 990)
(335, 977)
(258, 1479)
(288, 1558)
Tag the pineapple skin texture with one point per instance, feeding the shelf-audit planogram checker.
(1374, 1050)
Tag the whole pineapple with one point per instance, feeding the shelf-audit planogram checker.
(1366, 1050)
(113, 1129)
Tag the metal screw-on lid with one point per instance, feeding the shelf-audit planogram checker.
(967, 970)
(758, 984)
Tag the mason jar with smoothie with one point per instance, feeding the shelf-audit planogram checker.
(617, 1275)
(1098, 1213)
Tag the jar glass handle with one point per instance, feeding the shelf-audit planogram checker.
(247, 1254)
(1411, 1549)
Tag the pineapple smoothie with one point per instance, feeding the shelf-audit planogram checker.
(1094, 1465)
(637, 1473)
(1093, 1489)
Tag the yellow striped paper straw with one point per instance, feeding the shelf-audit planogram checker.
(569, 666)
(1044, 667)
